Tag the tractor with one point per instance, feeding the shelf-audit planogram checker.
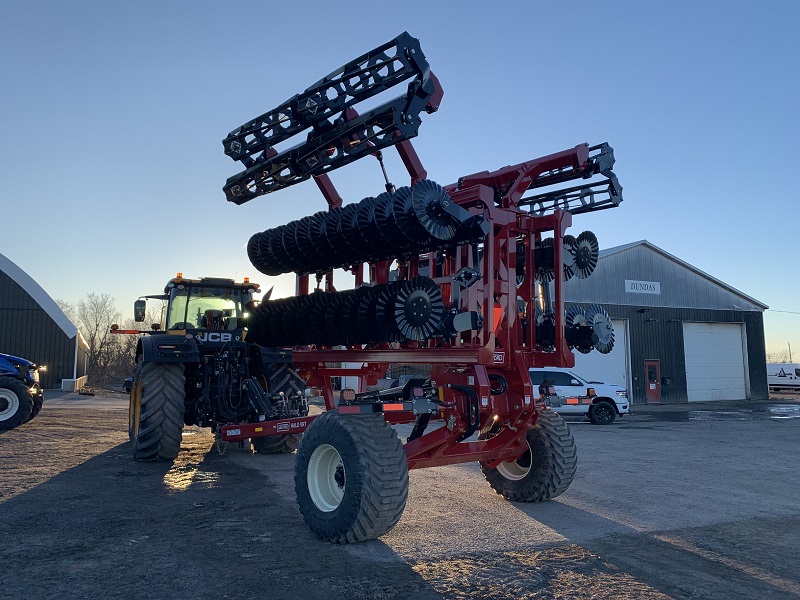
(199, 370)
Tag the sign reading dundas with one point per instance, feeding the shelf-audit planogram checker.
(642, 287)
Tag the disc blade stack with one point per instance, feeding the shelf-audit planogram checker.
(406, 223)
(400, 311)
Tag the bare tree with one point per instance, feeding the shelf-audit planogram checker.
(126, 343)
(781, 356)
(95, 314)
(68, 309)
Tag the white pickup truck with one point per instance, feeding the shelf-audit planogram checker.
(574, 395)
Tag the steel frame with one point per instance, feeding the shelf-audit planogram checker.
(504, 346)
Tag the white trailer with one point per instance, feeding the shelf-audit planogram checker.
(783, 376)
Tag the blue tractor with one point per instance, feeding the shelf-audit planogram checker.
(21, 396)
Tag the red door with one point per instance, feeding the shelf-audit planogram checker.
(653, 380)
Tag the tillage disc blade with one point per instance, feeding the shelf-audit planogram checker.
(587, 252)
(418, 308)
(428, 199)
(568, 256)
(603, 330)
(544, 271)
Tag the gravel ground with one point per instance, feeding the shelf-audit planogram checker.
(673, 501)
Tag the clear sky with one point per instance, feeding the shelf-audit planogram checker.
(112, 114)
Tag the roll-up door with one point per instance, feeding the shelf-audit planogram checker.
(715, 367)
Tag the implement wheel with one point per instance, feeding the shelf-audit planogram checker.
(16, 403)
(282, 378)
(351, 477)
(545, 470)
(155, 416)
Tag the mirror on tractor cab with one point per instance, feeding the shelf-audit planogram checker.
(139, 308)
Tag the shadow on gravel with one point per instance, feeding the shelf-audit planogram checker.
(735, 561)
(740, 560)
(202, 527)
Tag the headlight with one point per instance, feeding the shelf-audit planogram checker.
(33, 374)
(622, 393)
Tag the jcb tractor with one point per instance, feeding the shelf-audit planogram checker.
(199, 370)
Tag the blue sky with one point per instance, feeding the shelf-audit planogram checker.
(112, 114)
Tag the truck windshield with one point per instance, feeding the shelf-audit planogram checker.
(203, 307)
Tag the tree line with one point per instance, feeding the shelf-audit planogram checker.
(111, 355)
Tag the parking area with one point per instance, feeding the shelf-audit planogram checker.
(673, 501)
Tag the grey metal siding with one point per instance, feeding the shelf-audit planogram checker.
(658, 334)
(26, 330)
(680, 286)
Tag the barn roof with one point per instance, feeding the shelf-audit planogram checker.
(42, 298)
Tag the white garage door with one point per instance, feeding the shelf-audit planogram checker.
(715, 367)
(608, 368)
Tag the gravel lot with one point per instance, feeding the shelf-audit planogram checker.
(690, 501)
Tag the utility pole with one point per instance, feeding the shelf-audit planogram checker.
(790, 351)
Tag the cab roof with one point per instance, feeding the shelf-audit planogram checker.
(220, 282)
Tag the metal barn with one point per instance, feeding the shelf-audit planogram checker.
(680, 334)
(32, 326)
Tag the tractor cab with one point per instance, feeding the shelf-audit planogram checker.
(207, 304)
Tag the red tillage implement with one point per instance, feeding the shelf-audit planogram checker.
(457, 281)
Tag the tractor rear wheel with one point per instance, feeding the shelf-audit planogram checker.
(351, 477)
(155, 420)
(281, 377)
(545, 470)
(16, 403)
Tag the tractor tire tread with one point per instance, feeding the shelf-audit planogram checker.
(162, 409)
(281, 377)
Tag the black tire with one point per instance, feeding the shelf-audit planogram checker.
(155, 420)
(545, 470)
(602, 413)
(351, 477)
(16, 403)
(281, 377)
(38, 401)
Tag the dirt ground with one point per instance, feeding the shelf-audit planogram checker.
(80, 519)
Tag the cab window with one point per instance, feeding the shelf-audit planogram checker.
(560, 378)
(192, 307)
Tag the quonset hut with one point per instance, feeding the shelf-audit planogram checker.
(32, 326)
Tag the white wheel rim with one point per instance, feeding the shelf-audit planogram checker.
(326, 478)
(9, 404)
(519, 469)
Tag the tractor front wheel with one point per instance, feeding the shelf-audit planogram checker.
(38, 402)
(16, 403)
(545, 470)
(155, 422)
(351, 477)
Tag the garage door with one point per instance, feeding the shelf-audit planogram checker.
(611, 367)
(715, 368)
